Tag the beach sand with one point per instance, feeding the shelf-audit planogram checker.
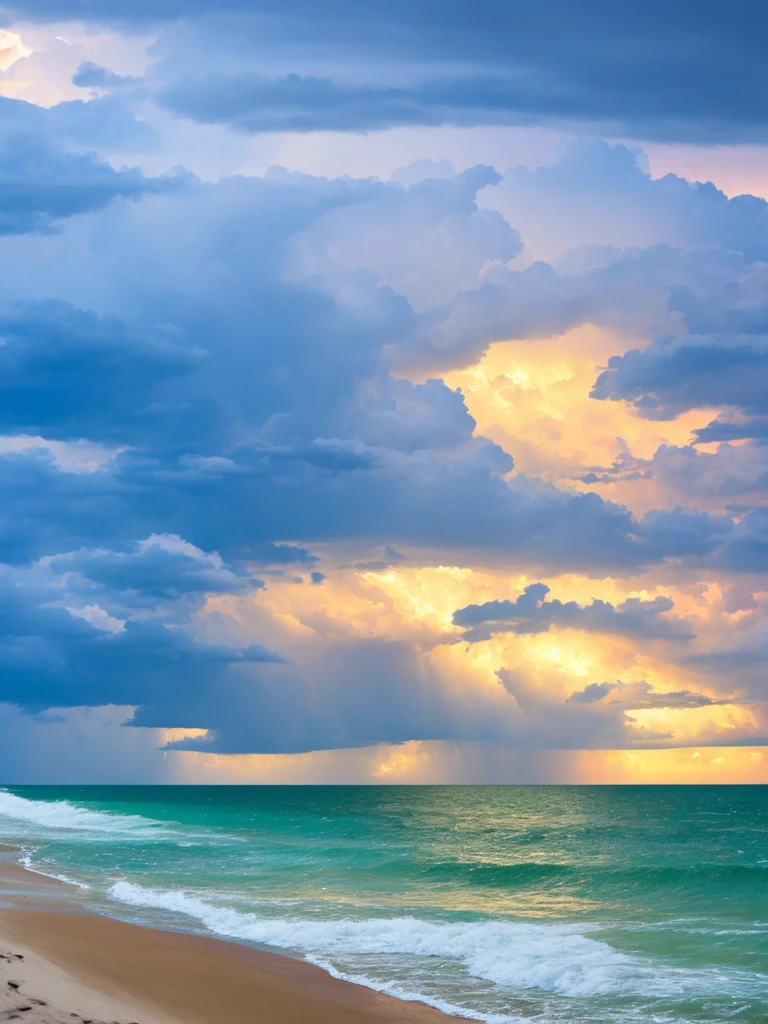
(59, 963)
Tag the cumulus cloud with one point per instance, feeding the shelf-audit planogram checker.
(599, 196)
(162, 567)
(673, 375)
(393, 230)
(731, 478)
(246, 387)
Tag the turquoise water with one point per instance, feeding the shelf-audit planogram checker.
(555, 905)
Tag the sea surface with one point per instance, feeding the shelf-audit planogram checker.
(554, 905)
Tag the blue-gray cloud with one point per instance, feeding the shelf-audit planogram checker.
(723, 429)
(102, 123)
(41, 184)
(56, 656)
(596, 194)
(309, 104)
(94, 76)
(634, 696)
(673, 375)
(160, 568)
(531, 612)
(66, 373)
(296, 103)
(641, 72)
(256, 410)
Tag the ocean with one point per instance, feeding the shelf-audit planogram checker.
(554, 905)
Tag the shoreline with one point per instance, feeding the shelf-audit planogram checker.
(59, 962)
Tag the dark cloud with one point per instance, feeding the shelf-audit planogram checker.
(634, 696)
(531, 612)
(723, 429)
(323, 703)
(66, 373)
(639, 72)
(389, 556)
(54, 657)
(95, 76)
(268, 554)
(309, 104)
(160, 568)
(459, 502)
(410, 418)
(405, 699)
(41, 184)
(296, 103)
(673, 375)
(319, 703)
(746, 547)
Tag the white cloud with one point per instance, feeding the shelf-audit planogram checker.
(98, 618)
(69, 456)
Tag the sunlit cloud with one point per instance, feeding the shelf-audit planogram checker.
(11, 49)
(532, 398)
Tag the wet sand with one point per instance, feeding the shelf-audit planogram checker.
(59, 963)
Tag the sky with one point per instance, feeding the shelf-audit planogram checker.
(383, 392)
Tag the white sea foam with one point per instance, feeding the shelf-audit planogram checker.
(28, 863)
(562, 959)
(396, 989)
(61, 814)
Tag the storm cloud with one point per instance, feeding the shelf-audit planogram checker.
(275, 447)
(596, 64)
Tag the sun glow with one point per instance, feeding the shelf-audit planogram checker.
(532, 398)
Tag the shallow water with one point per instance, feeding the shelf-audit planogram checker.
(550, 904)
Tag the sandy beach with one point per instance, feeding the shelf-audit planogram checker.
(59, 963)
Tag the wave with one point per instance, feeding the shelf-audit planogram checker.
(693, 873)
(698, 926)
(27, 862)
(481, 873)
(490, 874)
(558, 958)
(61, 814)
(395, 989)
